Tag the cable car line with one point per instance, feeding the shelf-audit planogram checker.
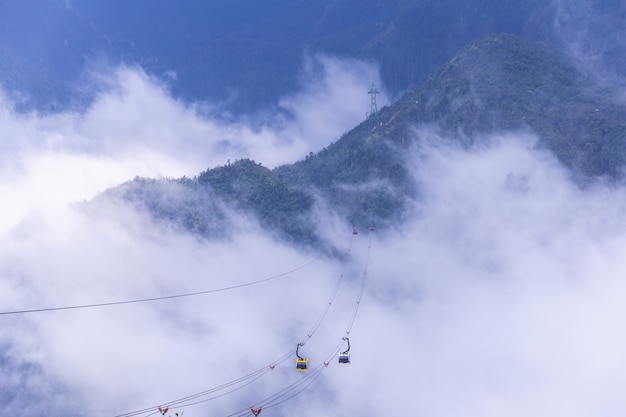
(181, 402)
(305, 383)
(277, 398)
(287, 392)
(273, 400)
(320, 319)
(268, 402)
(312, 378)
(358, 301)
(165, 297)
(186, 403)
(344, 357)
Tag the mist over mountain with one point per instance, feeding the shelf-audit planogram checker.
(192, 190)
(496, 85)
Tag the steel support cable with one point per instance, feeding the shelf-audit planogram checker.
(184, 401)
(189, 404)
(273, 400)
(309, 381)
(277, 398)
(360, 296)
(311, 377)
(188, 400)
(274, 397)
(287, 392)
(165, 297)
(322, 316)
(315, 373)
(306, 383)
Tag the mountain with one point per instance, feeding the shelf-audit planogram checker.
(505, 83)
(498, 84)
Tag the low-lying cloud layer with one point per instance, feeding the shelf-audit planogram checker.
(135, 128)
(500, 296)
(511, 297)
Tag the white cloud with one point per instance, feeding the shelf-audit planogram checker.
(501, 296)
(56, 251)
(334, 98)
(135, 128)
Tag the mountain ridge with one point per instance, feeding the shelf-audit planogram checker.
(497, 84)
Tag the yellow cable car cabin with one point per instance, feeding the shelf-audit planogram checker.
(302, 364)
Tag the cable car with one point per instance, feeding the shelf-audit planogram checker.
(302, 364)
(372, 227)
(344, 357)
(354, 231)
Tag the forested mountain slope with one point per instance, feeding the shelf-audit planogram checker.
(498, 84)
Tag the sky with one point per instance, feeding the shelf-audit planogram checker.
(502, 294)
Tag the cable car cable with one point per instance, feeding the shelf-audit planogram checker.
(287, 392)
(184, 401)
(310, 379)
(360, 296)
(277, 398)
(312, 375)
(322, 316)
(165, 297)
(181, 402)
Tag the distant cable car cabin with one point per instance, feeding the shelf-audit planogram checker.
(372, 227)
(302, 364)
(354, 231)
(344, 357)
